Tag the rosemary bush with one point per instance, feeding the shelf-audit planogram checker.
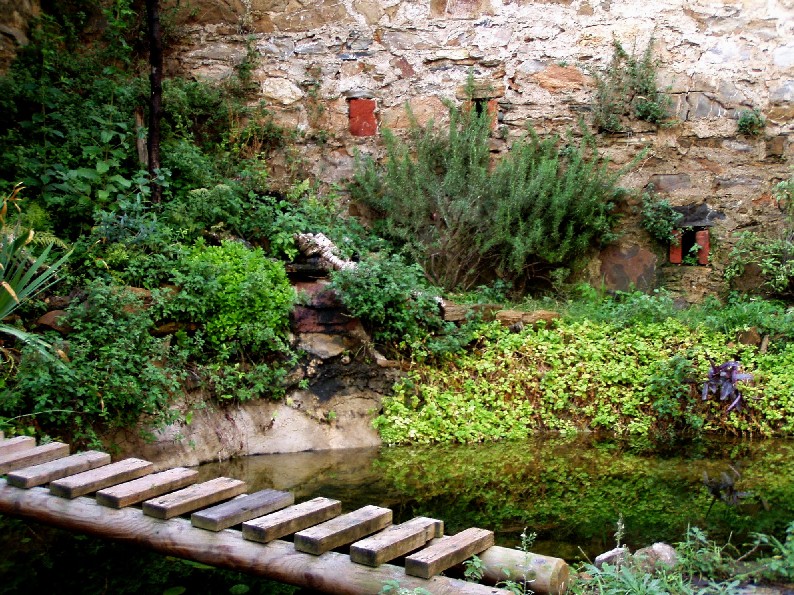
(466, 221)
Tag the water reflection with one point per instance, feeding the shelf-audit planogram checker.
(569, 491)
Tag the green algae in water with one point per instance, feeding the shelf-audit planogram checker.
(569, 491)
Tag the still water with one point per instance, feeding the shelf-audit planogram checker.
(570, 492)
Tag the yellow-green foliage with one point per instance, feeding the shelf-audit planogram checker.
(644, 379)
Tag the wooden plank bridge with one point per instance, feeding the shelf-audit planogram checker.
(310, 544)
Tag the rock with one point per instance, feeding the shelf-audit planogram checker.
(52, 319)
(452, 312)
(670, 182)
(627, 267)
(169, 328)
(514, 318)
(655, 556)
(321, 345)
(371, 10)
(58, 302)
(612, 557)
(750, 336)
(424, 109)
(782, 94)
(776, 147)
(281, 90)
(783, 57)
(451, 54)
(731, 181)
(301, 15)
(560, 78)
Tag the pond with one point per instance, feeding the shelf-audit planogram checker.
(570, 492)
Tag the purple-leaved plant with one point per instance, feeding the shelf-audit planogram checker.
(722, 381)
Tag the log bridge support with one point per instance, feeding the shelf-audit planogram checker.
(351, 553)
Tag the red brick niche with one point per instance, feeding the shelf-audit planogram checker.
(690, 244)
(361, 114)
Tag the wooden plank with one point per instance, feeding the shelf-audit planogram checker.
(396, 541)
(16, 444)
(241, 509)
(330, 573)
(144, 488)
(342, 530)
(292, 519)
(46, 472)
(33, 456)
(448, 552)
(96, 479)
(194, 497)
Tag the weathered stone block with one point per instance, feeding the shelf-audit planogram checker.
(627, 267)
(461, 9)
(424, 109)
(560, 78)
(281, 90)
(362, 117)
(56, 320)
(776, 146)
(783, 56)
(670, 182)
(782, 94)
(731, 181)
(297, 15)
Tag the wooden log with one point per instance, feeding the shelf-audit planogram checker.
(144, 488)
(37, 475)
(292, 519)
(33, 456)
(546, 574)
(396, 541)
(241, 509)
(16, 444)
(194, 497)
(448, 552)
(342, 530)
(96, 479)
(330, 573)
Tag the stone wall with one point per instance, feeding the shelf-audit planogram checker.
(341, 70)
(15, 16)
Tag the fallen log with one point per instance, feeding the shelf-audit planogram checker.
(317, 244)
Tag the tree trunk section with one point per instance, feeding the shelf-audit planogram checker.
(156, 97)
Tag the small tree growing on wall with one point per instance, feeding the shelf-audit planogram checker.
(628, 87)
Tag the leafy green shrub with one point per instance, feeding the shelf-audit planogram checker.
(67, 133)
(274, 221)
(751, 122)
(628, 88)
(540, 208)
(116, 371)
(391, 296)
(770, 257)
(241, 298)
(659, 218)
